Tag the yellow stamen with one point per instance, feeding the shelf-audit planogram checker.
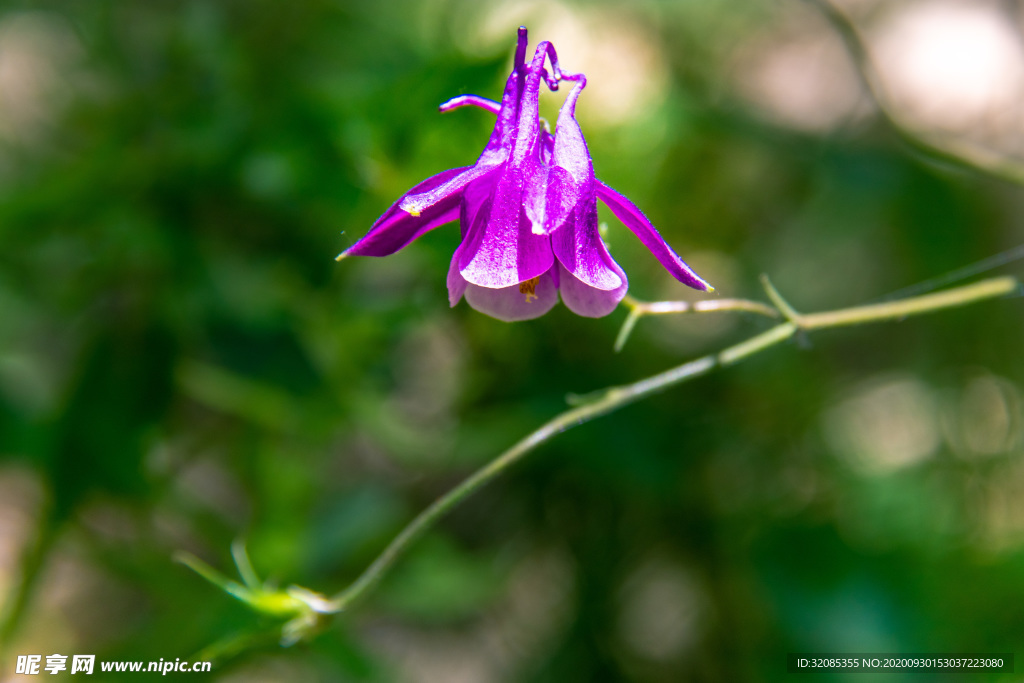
(529, 288)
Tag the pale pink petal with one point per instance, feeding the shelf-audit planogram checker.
(523, 301)
(588, 301)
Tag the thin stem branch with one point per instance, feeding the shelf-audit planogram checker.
(639, 309)
(895, 310)
(957, 152)
(609, 400)
(788, 312)
(709, 306)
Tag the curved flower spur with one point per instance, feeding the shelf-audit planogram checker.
(528, 210)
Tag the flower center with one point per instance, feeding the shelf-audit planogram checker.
(529, 288)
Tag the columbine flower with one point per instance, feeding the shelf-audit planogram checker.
(528, 210)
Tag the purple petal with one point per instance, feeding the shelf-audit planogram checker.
(456, 283)
(570, 149)
(521, 42)
(477, 197)
(577, 243)
(522, 301)
(506, 127)
(527, 134)
(547, 146)
(471, 101)
(578, 247)
(505, 251)
(636, 221)
(498, 146)
(588, 301)
(396, 228)
(549, 198)
(418, 202)
(551, 193)
(503, 135)
(473, 213)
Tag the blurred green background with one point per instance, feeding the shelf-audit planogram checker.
(182, 362)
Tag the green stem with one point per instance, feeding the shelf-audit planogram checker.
(610, 399)
(639, 309)
(894, 310)
(707, 306)
(614, 398)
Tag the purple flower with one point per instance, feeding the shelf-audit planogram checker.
(528, 210)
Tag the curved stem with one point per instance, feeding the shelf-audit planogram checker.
(609, 400)
(957, 152)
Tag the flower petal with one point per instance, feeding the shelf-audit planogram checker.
(498, 146)
(547, 146)
(473, 213)
(527, 134)
(396, 228)
(471, 101)
(577, 243)
(590, 302)
(476, 198)
(570, 149)
(635, 220)
(417, 202)
(505, 251)
(549, 198)
(507, 125)
(522, 301)
(578, 247)
(456, 283)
